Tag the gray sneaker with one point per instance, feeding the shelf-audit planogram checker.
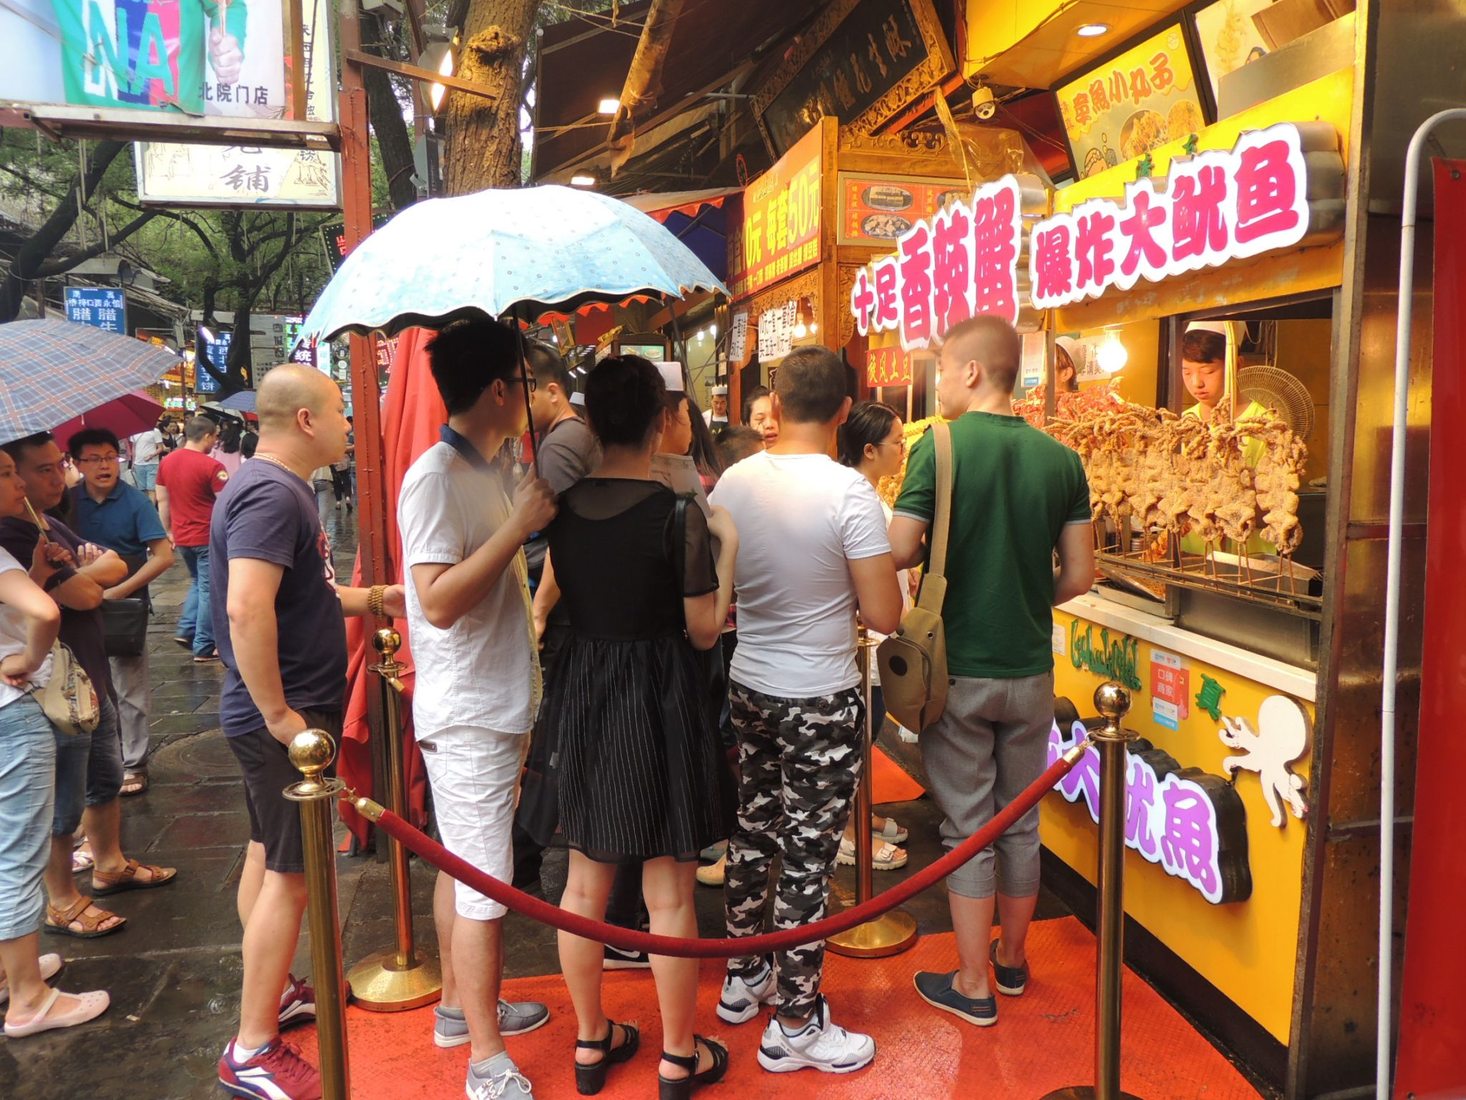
(450, 1029)
(500, 1079)
(521, 1017)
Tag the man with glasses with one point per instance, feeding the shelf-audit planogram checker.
(111, 513)
(478, 676)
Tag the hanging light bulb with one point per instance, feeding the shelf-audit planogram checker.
(1112, 353)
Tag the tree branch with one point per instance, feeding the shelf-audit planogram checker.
(61, 266)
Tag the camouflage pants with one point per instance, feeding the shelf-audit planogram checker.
(799, 762)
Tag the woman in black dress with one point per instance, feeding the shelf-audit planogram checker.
(640, 770)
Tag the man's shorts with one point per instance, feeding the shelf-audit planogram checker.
(274, 820)
(474, 773)
(146, 476)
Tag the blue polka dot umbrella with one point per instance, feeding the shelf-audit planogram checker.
(525, 252)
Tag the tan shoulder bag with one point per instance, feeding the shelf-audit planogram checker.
(913, 660)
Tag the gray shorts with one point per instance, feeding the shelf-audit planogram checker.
(989, 745)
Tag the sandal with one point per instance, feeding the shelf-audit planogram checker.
(50, 966)
(133, 783)
(590, 1079)
(884, 856)
(88, 1007)
(81, 858)
(890, 831)
(59, 921)
(682, 1087)
(115, 882)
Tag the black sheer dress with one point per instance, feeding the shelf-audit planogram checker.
(636, 768)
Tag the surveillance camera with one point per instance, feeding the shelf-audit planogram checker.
(984, 103)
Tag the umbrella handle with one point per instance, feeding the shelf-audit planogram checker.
(36, 520)
(522, 344)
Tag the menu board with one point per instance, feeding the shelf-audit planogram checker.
(1229, 38)
(876, 210)
(1132, 103)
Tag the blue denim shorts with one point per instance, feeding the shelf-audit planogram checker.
(88, 769)
(27, 766)
(146, 476)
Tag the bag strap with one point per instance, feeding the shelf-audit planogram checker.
(934, 582)
(679, 541)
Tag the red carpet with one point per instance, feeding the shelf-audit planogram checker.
(889, 781)
(1043, 1040)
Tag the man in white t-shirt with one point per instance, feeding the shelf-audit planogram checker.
(478, 678)
(812, 550)
(147, 450)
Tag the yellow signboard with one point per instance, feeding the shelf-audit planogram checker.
(780, 231)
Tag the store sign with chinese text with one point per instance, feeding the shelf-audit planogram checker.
(217, 351)
(1131, 104)
(1170, 689)
(99, 306)
(888, 366)
(960, 263)
(1190, 823)
(1213, 208)
(243, 175)
(780, 232)
(875, 210)
(776, 331)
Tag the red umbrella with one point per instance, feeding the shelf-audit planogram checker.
(125, 416)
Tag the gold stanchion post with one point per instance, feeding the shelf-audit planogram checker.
(893, 932)
(1113, 703)
(400, 977)
(311, 752)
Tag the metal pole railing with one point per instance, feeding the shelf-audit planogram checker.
(398, 978)
(1113, 703)
(895, 931)
(311, 752)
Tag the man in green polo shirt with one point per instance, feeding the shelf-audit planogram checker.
(1018, 498)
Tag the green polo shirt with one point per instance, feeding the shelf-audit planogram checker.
(1014, 489)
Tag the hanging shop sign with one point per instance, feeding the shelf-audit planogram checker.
(240, 175)
(776, 331)
(780, 231)
(1189, 823)
(887, 363)
(1263, 195)
(960, 263)
(1131, 104)
(99, 306)
(738, 338)
(217, 353)
(876, 210)
(861, 62)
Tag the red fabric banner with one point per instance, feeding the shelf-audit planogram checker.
(1432, 1009)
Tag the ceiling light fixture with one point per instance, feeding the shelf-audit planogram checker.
(1093, 30)
(580, 179)
(608, 106)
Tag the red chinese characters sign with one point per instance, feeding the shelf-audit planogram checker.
(1215, 207)
(887, 367)
(781, 219)
(961, 262)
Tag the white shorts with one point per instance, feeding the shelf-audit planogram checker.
(474, 773)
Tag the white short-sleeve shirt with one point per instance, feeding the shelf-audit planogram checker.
(801, 520)
(480, 670)
(12, 638)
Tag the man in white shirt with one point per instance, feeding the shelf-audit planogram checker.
(478, 679)
(147, 450)
(812, 550)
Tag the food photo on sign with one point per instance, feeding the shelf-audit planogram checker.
(1136, 101)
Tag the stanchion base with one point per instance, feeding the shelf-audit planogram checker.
(889, 934)
(378, 985)
(1083, 1092)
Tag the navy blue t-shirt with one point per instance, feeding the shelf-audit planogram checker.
(269, 514)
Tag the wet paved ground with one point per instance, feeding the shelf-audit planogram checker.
(173, 974)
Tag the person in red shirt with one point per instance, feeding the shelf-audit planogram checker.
(188, 482)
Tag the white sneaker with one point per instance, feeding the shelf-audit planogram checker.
(741, 999)
(820, 1045)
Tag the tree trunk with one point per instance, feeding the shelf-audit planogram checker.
(37, 249)
(644, 78)
(483, 148)
(393, 141)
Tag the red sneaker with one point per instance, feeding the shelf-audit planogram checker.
(277, 1072)
(298, 1004)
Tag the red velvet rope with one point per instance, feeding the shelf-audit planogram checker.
(628, 940)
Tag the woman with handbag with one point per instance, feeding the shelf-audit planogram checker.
(29, 622)
(639, 772)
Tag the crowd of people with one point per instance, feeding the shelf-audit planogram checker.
(582, 679)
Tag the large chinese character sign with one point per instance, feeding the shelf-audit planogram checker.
(1215, 207)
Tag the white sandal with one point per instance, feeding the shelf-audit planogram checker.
(50, 966)
(884, 856)
(88, 1007)
(892, 832)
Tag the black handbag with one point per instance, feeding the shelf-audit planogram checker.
(126, 625)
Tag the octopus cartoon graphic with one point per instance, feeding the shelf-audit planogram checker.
(1280, 739)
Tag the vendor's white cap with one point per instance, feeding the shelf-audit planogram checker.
(720, 391)
(578, 398)
(1219, 327)
(672, 376)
